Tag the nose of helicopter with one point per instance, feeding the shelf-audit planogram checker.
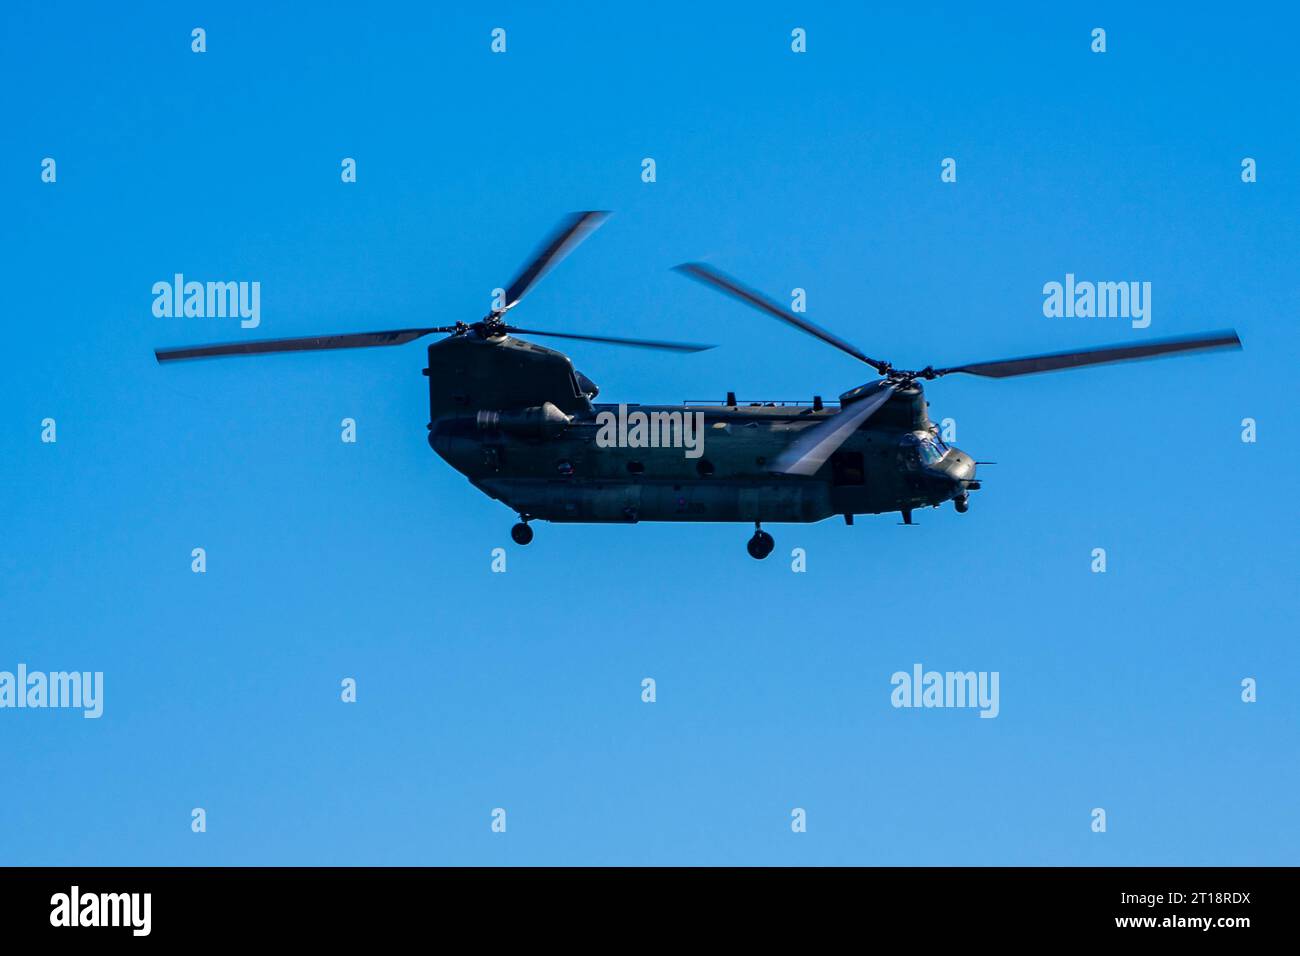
(958, 469)
(959, 465)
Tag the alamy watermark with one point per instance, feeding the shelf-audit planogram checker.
(82, 690)
(1102, 300)
(922, 688)
(639, 429)
(209, 300)
(75, 908)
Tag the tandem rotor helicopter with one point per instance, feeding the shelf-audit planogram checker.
(521, 423)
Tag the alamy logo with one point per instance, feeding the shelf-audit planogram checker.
(652, 430)
(72, 689)
(1102, 300)
(103, 909)
(922, 688)
(209, 300)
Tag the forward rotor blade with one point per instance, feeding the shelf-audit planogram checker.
(309, 343)
(571, 231)
(720, 280)
(1055, 361)
(613, 340)
(814, 445)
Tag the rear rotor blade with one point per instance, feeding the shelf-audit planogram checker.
(809, 451)
(720, 280)
(613, 340)
(1055, 361)
(309, 343)
(571, 231)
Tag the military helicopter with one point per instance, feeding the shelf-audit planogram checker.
(521, 423)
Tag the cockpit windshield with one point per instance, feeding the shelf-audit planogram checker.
(923, 449)
(931, 451)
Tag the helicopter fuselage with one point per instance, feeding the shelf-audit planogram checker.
(519, 422)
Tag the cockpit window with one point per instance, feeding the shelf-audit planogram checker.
(922, 449)
(930, 451)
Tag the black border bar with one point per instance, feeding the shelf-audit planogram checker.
(331, 904)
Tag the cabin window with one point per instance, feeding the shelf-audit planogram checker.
(704, 467)
(565, 468)
(847, 468)
(635, 468)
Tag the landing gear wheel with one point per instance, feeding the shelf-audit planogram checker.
(760, 545)
(521, 533)
(962, 504)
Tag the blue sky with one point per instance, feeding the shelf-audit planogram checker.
(522, 690)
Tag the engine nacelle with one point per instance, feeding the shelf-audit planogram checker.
(540, 421)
